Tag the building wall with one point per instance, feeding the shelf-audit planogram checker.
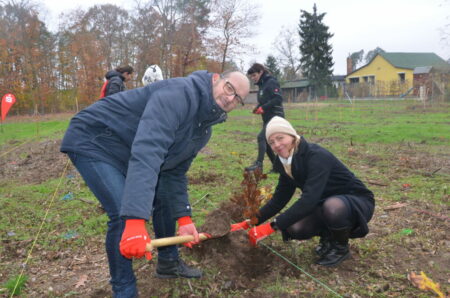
(423, 81)
(382, 70)
(386, 80)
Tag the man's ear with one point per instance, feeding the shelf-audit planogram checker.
(215, 77)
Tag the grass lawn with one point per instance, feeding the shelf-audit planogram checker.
(399, 149)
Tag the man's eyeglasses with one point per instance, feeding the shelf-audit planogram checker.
(229, 90)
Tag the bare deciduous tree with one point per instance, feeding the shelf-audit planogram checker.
(232, 24)
(287, 46)
(181, 30)
(146, 38)
(111, 26)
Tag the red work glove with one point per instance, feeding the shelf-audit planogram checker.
(258, 111)
(134, 240)
(258, 233)
(244, 225)
(187, 227)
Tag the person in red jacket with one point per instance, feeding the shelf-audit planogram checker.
(115, 80)
(334, 204)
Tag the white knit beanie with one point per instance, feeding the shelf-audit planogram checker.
(278, 124)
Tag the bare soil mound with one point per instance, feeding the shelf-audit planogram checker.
(33, 162)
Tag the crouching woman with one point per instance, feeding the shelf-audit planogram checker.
(334, 204)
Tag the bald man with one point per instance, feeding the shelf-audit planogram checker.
(134, 150)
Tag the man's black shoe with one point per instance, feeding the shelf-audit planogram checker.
(176, 268)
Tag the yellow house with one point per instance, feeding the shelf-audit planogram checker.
(389, 74)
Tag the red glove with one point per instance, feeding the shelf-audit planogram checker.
(258, 233)
(245, 225)
(258, 111)
(187, 227)
(134, 240)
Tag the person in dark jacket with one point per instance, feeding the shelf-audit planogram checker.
(270, 104)
(334, 204)
(116, 79)
(133, 150)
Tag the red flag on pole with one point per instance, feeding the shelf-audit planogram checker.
(7, 101)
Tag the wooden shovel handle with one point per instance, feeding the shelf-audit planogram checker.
(173, 240)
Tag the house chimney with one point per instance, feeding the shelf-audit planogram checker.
(349, 65)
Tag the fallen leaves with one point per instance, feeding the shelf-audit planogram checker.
(395, 206)
(422, 282)
(81, 281)
(406, 186)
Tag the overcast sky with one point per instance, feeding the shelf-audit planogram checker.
(393, 25)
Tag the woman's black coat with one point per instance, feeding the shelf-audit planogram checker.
(320, 175)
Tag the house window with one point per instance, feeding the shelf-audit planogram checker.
(354, 80)
(369, 79)
(401, 77)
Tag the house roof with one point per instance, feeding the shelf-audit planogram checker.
(422, 69)
(295, 84)
(409, 60)
(412, 60)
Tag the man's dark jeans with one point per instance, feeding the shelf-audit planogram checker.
(107, 184)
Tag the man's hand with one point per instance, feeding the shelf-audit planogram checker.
(244, 225)
(134, 240)
(258, 111)
(260, 232)
(187, 227)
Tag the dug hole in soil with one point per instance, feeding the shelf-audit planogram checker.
(239, 264)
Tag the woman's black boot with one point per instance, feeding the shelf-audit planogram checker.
(324, 243)
(339, 249)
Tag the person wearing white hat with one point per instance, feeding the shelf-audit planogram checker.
(152, 74)
(334, 204)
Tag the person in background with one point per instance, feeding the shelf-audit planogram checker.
(134, 149)
(115, 80)
(152, 74)
(270, 104)
(334, 204)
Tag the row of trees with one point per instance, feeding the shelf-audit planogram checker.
(57, 71)
(54, 71)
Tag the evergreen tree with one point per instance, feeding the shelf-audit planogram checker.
(317, 62)
(271, 65)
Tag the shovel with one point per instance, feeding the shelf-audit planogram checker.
(217, 225)
(174, 240)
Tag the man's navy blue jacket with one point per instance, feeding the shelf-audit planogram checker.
(149, 133)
